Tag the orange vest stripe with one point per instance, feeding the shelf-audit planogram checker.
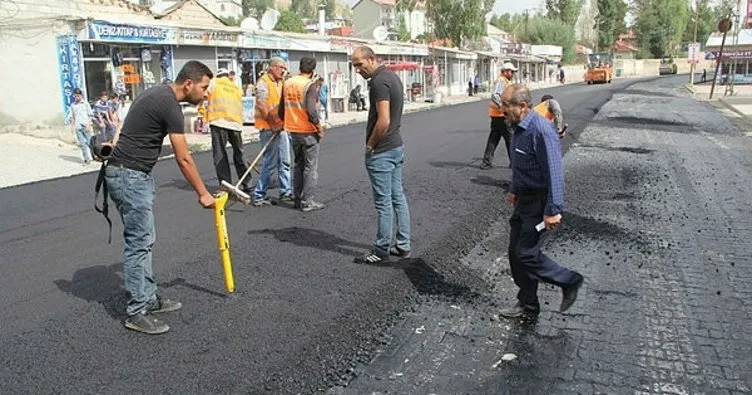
(271, 105)
(542, 109)
(225, 102)
(493, 110)
(296, 114)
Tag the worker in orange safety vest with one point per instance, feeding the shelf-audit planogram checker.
(499, 126)
(550, 109)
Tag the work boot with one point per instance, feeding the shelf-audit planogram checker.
(146, 323)
(160, 305)
(519, 311)
(569, 294)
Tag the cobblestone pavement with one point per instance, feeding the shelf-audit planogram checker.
(658, 200)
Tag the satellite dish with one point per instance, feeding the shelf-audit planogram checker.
(269, 19)
(249, 24)
(380, 33)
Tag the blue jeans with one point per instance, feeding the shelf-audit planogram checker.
(277, 156)
(385, 171)
(133, 194)
(83, 138)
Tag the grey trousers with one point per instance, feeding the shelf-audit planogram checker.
(305, 171)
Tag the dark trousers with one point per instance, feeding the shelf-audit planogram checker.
(499, 129)
(305, 171)
(529, 265)
(220, 137)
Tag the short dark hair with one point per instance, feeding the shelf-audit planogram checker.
(546, 97)
(194, 71)
(307, 64)
(77, 91)
(104, 93)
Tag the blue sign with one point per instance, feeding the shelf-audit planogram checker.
(69, 67)
(104, 31)
(248, 109)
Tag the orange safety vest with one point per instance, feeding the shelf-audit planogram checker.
(542, 109)
(493, 110)
(225, 102)
(271, 105)
(296, 114)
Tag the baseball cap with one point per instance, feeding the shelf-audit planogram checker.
(508, 66)
(222, 71)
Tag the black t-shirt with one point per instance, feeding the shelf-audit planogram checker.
(386, 85)
(155, 113)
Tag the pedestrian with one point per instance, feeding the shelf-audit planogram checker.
(323, 100)
(537, 196)
(476, 84)
(561, 73)
(154, 114)
(299, 112)
(550, 109)
(115, 108)
(268, 122)
(224, 114)
(357, 98)
(499, 127)
(80, 121)
(470, 87)
(384, 157)
(102, 115)
(704, 75)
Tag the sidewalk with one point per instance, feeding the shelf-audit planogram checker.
(28, 159)
(738, 106)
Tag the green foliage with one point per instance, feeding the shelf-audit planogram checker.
(541, 30)
(610, 22)
(230, 21)
(459, 20)
(507, 22)
(289, 21)
(660, 26)
(403, 34)
(256, 8)
(303, 8)
(330, 7)
(566, 11)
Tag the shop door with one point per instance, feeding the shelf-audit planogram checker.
(98, 78)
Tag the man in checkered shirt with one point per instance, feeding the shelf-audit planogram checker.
(538, 200)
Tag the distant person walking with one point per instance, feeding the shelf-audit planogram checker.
(499, 127)
(80, 122)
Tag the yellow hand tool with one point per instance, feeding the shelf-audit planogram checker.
(223, 238)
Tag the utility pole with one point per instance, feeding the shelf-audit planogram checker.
(694, 65)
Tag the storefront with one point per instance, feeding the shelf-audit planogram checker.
(456, 68)
(125, 60)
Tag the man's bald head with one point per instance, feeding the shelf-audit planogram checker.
(515, 100)
(365, 62)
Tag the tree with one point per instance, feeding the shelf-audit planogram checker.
(566, 11)
(585, 29)
(330, 8)
(707, 22)
(610, 22)
(544, 30)
(458, 20)
(256, 8)
(402, 33)
(290, 21)
(660, 26)
(303, 8)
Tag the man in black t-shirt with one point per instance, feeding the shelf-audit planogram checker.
(384, 156)
(154, 114)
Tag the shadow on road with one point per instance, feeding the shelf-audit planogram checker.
(182, 282)
(427, 281)
(313, 238)
(492, 182)
(456, 165)
(102, 284)
(74, 159)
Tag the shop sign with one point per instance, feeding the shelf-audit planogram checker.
(69, 67)
(733, 54)
(104, 31)
(267, 42)
(400, 50)
(207, 37)
(309, 45)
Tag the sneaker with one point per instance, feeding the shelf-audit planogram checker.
(395, 251)
(371, 259)
(306, 207)
(146, 323)
(164, 306)
(485, 166)
(287, 198)
(261, 202)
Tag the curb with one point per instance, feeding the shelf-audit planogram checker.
(732, 108)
